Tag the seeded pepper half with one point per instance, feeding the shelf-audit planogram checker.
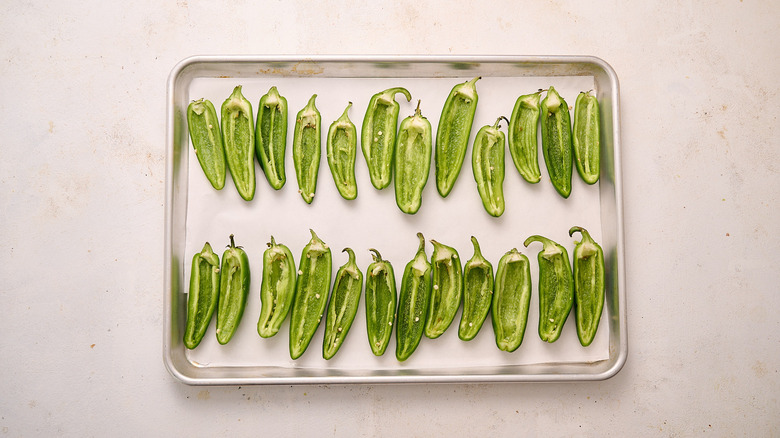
(588, 286)
(487, 161)
(342, 151)
(307, 149)
(556, 288)
(522, 136)
(380, 303)
(452, 137)
(271, 136)
(238, 132)
(511, 300)
(233, 291)
(311, 294)
(477, 293)
(447, 289)
(413, 303)
(587, 145)
(377, 137)
(343, 305)
(206, 138)
(277, 290)
(556, 141)
(203, 295)
(412, 161)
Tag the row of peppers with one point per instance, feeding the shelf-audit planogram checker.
(430, 296)
(401, 152)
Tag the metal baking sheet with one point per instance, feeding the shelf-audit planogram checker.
(196, 213)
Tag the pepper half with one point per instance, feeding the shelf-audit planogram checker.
(511, 300)
(587, 144)
(380, 303)
(477, 293)
(343, 305)
(277, 290)
(307, 149)
(206, 138)
(413, 303)
(271, 137)
(233, 291)
(556, 288)
(412, 161)
(487, 161)
(589, 288)
(377, 137)
(522, 136)
(447, 289)
(342, 151)
(238, 132)
(452, 137)
(311, 294)
(556, 141)
(203, 295)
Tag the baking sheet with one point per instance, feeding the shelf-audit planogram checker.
(374, 221)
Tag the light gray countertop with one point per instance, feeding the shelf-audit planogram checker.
(82, 112)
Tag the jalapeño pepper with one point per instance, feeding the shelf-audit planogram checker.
(377, 137)
(239, 139)
(587, 146)
(206, 138)
(477, 293)
(446, 291)
(203, 295)
(522, 136)
(556, 288)
(412, 161)
(307, 149)
(277, 290)
(311, 294)
(343, 305)
(271, 136)
(487, 160)
(511, 300)
(452, 137)
(233, 291)
(380, 303)
(556, 141)
(413, 303)
(588, 286)
(342, 151)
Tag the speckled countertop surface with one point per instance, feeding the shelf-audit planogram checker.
(82, 112)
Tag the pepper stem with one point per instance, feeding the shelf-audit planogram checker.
(417, 111)
(272, 243)
(344, 115)
(495, 125)
(582, 231)
(474, 242)
(422, 242)
(377, 256)
(350, 253)
(232, 242)
(536, 238)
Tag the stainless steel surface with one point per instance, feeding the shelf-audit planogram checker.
(606, 85)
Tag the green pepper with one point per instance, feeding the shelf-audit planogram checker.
(311, 294)
(413, 303)
(277, 290)
(477, 293)
(343, 306)
(377, 138)
(588, 286)
(380, 303)
(342, 151)
(587, 146)
(233, 291)
(511, 300)
(239, 138)
(207, 140)
(271, 136)
(522, 136)
(556, 288)
(446, 291)
(307, 149)
(203, 295)
(452, 137)
(556, 141)
(487, 161)
(412, 161)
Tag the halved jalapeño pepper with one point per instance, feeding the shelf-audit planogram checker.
(452, 137)
(487, 160)
(511, 300)
(412, 161)
(522, 136)
(588, 286)
(238, 132)
(277, 290)
(271, 136)
(556, 141)
(413, 303)
(203, 295)
(233, 291)
(311, 294)
(587, 145)
(342, 151)
(446, 291)
(380, 303)
(343, 305)
(307, 149)
(377, 137)
(477, 293)
(206, 138)
(556, 288)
